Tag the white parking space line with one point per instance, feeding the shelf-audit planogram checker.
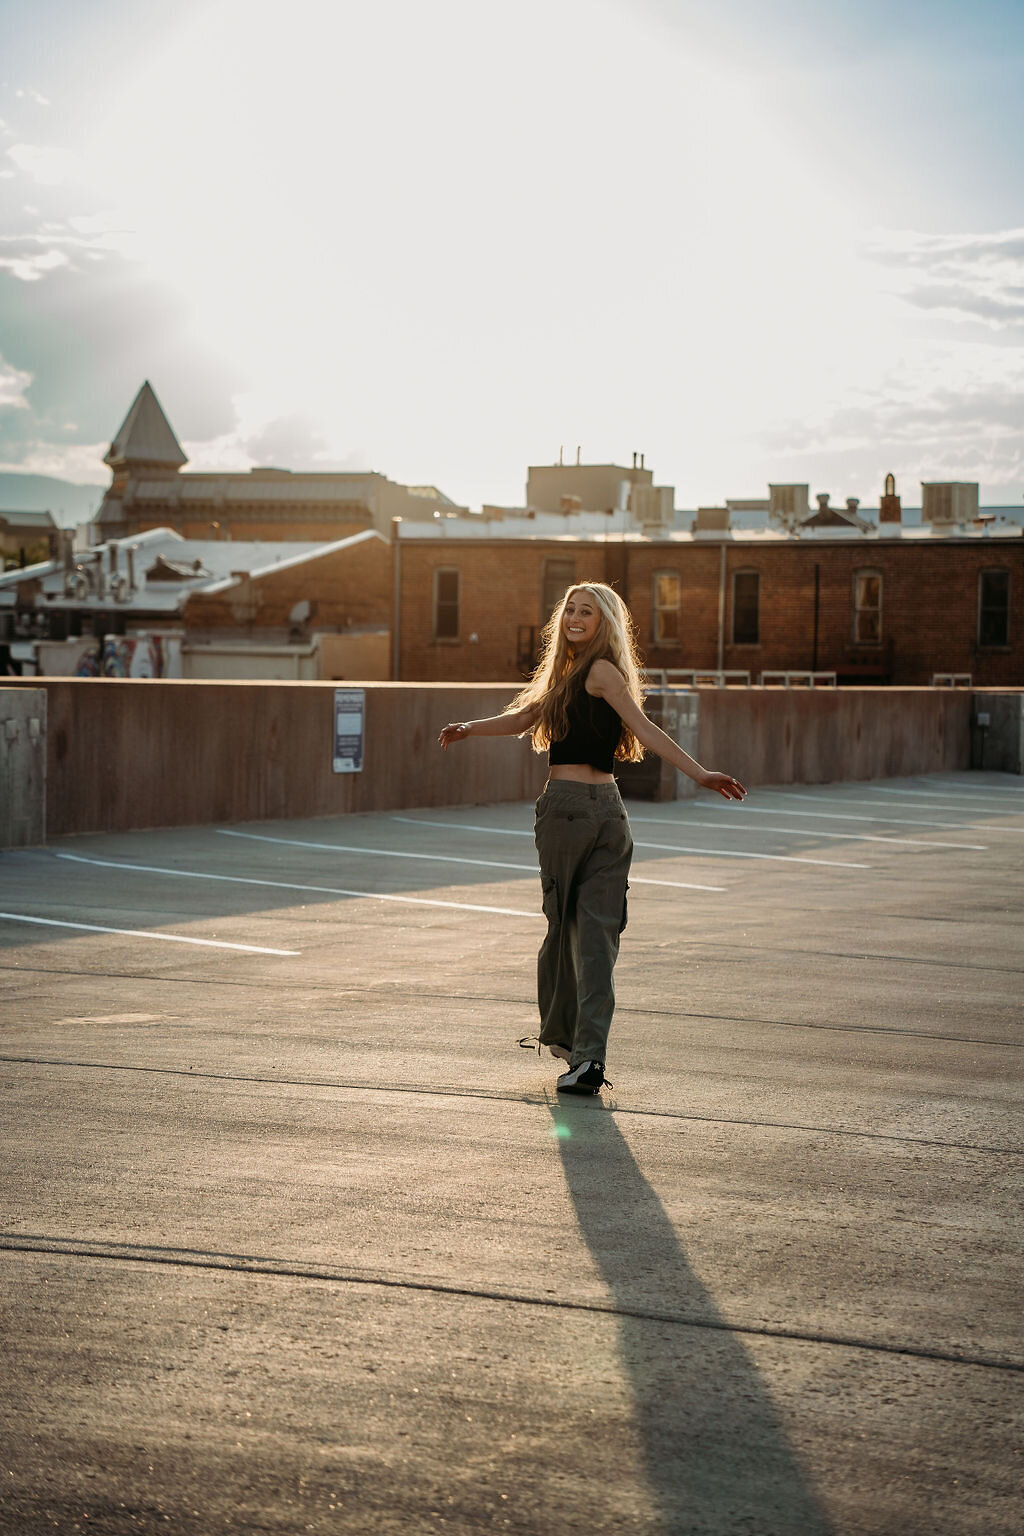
(707, 853)
(142, 933)
(896, 821)
(846, 837)
(285, 885)
(947, 799)
(979, 789)
(445, 858)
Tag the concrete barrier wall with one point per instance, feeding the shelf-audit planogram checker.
(22, 767)
(146, 753)
(818, 736)
(998, 730)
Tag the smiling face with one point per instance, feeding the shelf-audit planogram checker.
(581, 619)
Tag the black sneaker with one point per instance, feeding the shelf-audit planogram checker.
(588, 1077)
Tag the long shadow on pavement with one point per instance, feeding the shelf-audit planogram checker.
(717, 1457)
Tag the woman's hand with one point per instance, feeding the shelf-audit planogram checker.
(453, 733)
(731, 788)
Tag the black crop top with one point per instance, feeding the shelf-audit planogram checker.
(593, 734)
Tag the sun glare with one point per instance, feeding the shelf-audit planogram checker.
(384, 215)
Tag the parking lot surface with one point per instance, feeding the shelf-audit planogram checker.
(296, 1238)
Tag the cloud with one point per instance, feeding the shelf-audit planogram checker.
(13, 384)
(948, 417)
(29, 258)
(78, 343)
(957, 299)
(47, 165)
(962, 277)
(290, 441)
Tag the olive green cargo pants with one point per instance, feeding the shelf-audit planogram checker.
(583, 839)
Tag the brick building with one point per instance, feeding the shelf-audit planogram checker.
(150, 490)
(168, 606)
(893, 607)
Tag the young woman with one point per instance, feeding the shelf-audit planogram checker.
(583, 707)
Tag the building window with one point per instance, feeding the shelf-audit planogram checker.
(558, 576)
(746, 608)
(867, 608)
(668, 600)
(994, 608)
(446, 604)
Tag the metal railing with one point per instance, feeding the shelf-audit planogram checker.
(798, 680)
(952, 679)
(696, 677)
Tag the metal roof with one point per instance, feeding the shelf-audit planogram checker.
(31, 521)
(223, 563)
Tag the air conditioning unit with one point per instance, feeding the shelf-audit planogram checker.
(653, 506)
(949, 501)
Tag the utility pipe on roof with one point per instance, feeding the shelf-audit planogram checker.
(396, 597)
(721, 606)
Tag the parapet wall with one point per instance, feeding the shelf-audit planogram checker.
(149, 753)
(821, 735)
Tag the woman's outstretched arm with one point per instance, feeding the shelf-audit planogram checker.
(607, 682)
(493, 725)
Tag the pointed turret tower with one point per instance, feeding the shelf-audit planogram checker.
(146, 441)
(145, 448)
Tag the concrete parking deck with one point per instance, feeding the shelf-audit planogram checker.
(296, 1239)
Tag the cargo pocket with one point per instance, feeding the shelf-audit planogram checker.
(625, 911)
(550, 904)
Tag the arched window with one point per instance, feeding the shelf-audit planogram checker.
(867, 608)
(666, 603)
(746, 608)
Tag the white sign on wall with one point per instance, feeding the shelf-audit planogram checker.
(349, 729)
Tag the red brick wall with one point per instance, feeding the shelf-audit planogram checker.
(350, 587)
(500, 589)
(929, 605)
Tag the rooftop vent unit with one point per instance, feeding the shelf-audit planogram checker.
(653, 507)
(788, 504)
(946, 502)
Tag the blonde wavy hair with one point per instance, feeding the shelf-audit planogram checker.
(560, 673)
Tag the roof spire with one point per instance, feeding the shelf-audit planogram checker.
(146, 436)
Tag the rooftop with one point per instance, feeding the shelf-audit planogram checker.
(167, 569)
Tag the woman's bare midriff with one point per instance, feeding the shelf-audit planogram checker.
(579, 773)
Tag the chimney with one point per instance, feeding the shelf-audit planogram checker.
(821, 497)
(889, 508)
(852, 503)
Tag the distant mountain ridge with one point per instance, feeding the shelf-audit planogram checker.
(69, 503)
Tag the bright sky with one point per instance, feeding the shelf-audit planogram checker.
(758, 240)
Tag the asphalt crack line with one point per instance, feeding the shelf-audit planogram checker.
(388, 991)
(252, 1264)
(492, 1095)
